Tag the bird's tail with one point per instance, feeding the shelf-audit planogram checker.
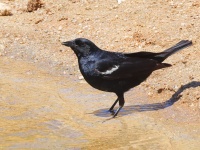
(168, 52)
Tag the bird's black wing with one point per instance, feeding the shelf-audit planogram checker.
(149, 55)
(124, 68)
(142, 54)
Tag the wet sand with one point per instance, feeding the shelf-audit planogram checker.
(43, 111)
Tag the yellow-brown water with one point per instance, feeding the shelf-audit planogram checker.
(44, 111)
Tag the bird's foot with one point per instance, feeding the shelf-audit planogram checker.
(112, 111)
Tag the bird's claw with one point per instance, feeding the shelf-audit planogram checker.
(112, 112)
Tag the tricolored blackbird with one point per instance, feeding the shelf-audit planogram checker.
(118, 72)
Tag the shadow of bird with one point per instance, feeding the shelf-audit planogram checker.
(150, 107)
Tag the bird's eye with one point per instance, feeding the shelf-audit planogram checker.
(80, 43)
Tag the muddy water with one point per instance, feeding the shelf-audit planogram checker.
(42, 111)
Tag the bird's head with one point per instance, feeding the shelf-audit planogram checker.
(81, 46)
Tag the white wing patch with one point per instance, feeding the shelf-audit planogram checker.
(114, 68)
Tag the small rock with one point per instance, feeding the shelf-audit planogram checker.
(88, 8)
(160, 90)
(80, 31)
(80, 78)
(120, 1)
(173, 115)
(73, 20)
(33, 5)
(191, 77)
(38, 21)
(29, 72)
(87, 19)
(74, 1)
(63, 18)
(150, 93)
(191, 105)
(2, 47)
(176, 87)
(60, 28)
(5, 10)
(183, 24)
(115, 7)
(83, 81)
(64, 72)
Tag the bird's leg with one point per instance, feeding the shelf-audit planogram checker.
(111, 108)
(121, 104)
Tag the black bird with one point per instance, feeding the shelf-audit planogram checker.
(118, 72)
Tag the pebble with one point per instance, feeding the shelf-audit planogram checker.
(5, 10)
(88, 8)
(64, 72)
(176, 87)
(2, 47)
(29, 72)
(87, 19)
(60, 28)
(120, 1)
(150, 93)
(114, 7)
(80, 31)
(80, 77)
(73, 20)
(82, 81)
(38, 21)
(183, 24)
(191, 105)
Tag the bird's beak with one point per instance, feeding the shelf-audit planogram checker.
(68, 43)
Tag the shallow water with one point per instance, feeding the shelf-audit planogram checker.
(44, 111)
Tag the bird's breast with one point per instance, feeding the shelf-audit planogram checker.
(87, 68)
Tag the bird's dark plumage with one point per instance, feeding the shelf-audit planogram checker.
(118, 72)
